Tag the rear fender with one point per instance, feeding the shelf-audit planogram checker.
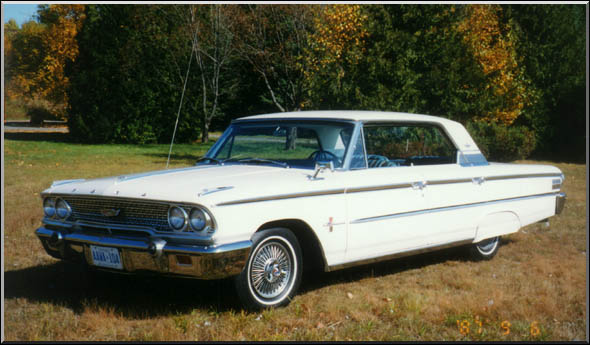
(497, 224)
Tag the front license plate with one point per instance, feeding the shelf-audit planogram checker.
(106, 257)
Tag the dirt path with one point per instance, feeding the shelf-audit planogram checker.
(18, 126)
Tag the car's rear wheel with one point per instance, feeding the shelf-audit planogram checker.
(486, 249)
(273, 271)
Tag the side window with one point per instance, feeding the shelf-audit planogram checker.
(404, 145)
(358, 154)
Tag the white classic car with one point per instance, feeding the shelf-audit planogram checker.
(278, 193)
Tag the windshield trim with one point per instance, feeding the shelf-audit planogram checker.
(294, 119)
(345, 163)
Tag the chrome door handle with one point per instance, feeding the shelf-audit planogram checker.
(478, 180)
(419, 185)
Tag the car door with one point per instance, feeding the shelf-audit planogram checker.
(385, 196)
(451, 192)
(451, 196)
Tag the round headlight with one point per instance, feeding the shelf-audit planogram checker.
(199, 219)
(49, 207)
(177, 218)
(62, 209)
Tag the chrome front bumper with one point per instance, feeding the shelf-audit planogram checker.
(150, 254)
(560, 202)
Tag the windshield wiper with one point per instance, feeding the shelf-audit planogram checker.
(262, 160)
(214, 160)
(242, 160)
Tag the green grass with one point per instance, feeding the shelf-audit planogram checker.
(272, 148)
(68, 160)
(537, 280)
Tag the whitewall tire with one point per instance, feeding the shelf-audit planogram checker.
(273, 271)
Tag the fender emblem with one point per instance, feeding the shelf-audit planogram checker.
(331, 224)
(110, 212)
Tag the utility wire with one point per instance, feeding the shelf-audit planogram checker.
(180, 105)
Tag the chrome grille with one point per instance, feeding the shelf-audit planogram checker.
(132, 212)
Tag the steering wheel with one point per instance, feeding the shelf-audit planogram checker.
(377, 161)
(321, 155)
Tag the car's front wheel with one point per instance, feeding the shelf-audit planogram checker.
(486, 249)
(273, 271)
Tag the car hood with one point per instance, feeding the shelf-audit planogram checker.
(208, 184)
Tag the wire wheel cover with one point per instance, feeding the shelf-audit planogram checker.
(271, 270)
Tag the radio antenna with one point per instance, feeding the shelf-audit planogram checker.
(181, 98)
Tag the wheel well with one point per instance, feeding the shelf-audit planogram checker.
(312, 251)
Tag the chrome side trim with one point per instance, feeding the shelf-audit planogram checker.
(509, 177)
(397, 255)
(447, 208)
(380, 187)
(376, 188)
(283, 196)
(450, 181)
(482, 179)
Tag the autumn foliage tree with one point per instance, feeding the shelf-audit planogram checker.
(25, 52)
(62, 24)
(338, 37)
(37, 55)
(336, 46)
(493, 45)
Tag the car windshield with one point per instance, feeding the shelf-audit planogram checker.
(284, 144)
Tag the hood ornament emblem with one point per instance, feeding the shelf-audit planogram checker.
(110, 212)
(214, 190)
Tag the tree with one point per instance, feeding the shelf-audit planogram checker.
(25, 53)
(212, 37)
(62, 24)
(414, 62)
(552, 44)
(11, 29)
(127, 80)
(273, 40)
(336, 46)
(37, 53)
(493, 45)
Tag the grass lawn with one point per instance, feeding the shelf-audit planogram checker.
(534, 289)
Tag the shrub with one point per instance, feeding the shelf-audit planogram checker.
(124, 84)
(502, 143)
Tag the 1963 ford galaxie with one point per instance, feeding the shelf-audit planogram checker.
(278, 193)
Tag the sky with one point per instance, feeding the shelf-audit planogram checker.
(20, 13)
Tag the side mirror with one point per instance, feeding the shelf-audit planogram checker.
(321, 166)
